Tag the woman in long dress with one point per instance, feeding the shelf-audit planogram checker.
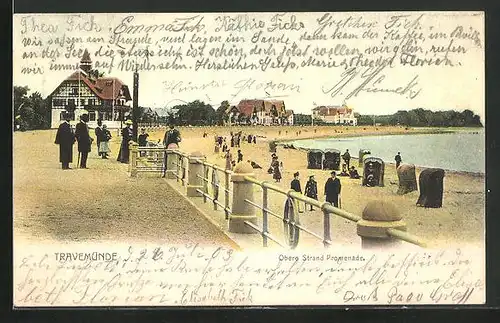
(276, 169)
(124, 153)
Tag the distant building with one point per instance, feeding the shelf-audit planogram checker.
(105, 98)
(342, 115)
(290, 117)
(149, 115)
(263, 112)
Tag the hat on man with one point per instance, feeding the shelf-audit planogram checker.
(128, 121)
(296, 174)
(333, 173)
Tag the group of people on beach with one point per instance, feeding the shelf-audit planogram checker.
(235, 142)
(331, 191)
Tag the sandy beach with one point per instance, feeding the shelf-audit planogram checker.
(459, 221)
(46, 207)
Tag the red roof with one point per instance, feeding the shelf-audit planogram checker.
(279, 104)
(246, 106)
(106, 88)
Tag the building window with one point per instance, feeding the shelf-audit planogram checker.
(82, 102)
(74, 90)
(91, 101)
(71, 102)
(92, 116)
(58, 102)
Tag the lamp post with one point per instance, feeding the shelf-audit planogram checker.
(135, 108)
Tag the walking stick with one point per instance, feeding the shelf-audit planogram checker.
(340, 202)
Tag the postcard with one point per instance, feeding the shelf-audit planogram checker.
(248, 159)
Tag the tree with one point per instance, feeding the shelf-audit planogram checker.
(426, 118)
(196, 113)
(221, 115)
(31, 112)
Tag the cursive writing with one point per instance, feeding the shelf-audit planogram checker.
(241, 87)
(370, 80)
(201, 275)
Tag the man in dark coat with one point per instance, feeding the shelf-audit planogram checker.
(143, 140)
(332, 189)
(84, 139)
(127, 135)
(172, 136)
(295, 185)
(98, 135)
(65, 138)
(347, 158)
(311, 189)
(398, 159)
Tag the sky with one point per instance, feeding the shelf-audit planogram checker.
(440, 88)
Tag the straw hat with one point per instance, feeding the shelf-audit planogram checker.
(128, 121)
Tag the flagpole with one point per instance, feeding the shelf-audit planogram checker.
(79, 85)
(113, 103)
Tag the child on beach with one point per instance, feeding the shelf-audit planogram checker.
(104, 143)
(311, 189)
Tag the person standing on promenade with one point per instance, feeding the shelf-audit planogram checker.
(347, 158)
(398, 159)
(311, 189)
(172, 136)
(98, 135)
(240, 156)
(104, 144)
(143, 140)
(84, 139)
(332, 189)
(65, 138)
(127, 135)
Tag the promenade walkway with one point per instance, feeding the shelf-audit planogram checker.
(101, 203)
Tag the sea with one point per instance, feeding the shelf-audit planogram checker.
(457, 151)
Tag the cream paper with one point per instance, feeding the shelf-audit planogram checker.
(377, 63)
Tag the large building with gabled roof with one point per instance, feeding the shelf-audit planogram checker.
(105, 98)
